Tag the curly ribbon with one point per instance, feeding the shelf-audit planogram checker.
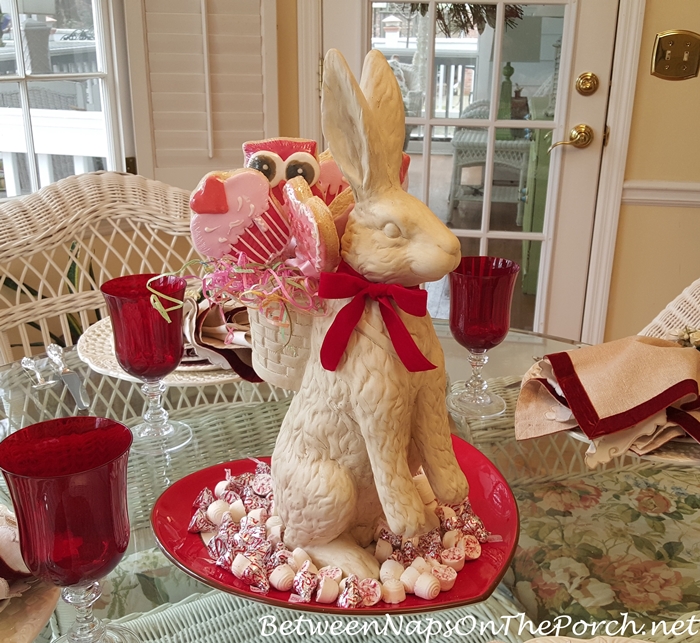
(157, 296)
(268, 289)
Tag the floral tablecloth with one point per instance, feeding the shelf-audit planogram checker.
(610, 543)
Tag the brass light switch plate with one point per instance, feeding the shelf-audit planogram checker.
(676, 55)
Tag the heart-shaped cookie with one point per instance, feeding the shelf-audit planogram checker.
(235, 212)
(317, 245)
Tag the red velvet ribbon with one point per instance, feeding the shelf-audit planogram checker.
(345, 283)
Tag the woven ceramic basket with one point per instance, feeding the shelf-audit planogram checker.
(280, 354)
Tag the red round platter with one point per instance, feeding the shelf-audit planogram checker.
(489, 494)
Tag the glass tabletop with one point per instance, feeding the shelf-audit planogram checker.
(236, 420)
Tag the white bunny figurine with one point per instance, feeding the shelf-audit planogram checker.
(354, 436)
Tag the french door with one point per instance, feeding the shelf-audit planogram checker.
(488, 88)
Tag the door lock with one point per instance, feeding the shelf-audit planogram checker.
(580, 136)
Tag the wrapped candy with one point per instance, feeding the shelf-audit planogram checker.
(303, 585)
(256, 577)
(204, 499)
(200, 522)
(350, 597)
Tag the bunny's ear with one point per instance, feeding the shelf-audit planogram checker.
(351, 128)
(381, 89)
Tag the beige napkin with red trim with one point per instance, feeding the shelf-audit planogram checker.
(634, 393)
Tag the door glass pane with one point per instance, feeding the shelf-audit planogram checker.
(511, 161)
(400, 31)
(14, 169)
(440, 172)
(463, 60)
(466, 177)
(463, 55)
(530, 62)
(63, 42)
(70, 134)
(8, 61)
(527, 255)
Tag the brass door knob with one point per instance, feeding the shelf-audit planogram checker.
(580, 136)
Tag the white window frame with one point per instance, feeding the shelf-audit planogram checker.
(105, 41)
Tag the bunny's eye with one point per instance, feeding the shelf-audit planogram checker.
(302, 164)
(270, 164)
(392, 231)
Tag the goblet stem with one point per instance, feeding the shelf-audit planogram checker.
(158, 434)
(86, 629)
(475, 400)
(155, 417)
(476, 386)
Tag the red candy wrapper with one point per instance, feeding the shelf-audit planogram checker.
(350, 597)
(200, 522)
(262, 484)
(256, 576)
(304, 584)
(408, 549)
(204, 499)
(386, 534)
(230, 496)
(261, 467)
(397, 555)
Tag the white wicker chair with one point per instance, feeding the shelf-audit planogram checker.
(684, 310)
(58, 245)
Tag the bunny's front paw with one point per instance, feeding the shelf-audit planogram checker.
(415, 523)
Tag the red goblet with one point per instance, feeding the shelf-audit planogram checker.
(149, 347)
(481, 291)
(67, 480)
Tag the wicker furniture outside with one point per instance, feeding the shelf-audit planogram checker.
(469, 149)
(58, 245)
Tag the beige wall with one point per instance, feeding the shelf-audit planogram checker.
(658, 249)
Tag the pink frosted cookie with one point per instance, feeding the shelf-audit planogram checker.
(234, 212)
(331, 182)
(317, 245)
(281, 159)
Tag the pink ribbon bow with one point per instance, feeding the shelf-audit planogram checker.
(345, 283)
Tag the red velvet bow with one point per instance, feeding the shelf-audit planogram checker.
(347, 283)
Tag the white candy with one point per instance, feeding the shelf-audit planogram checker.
(300, 557)
(281, 578)
(274, 521)
(274, 534)
(446, 577)
(409, 578)
(393, 591)
(421, 565)
(390, 569)
(383, 550)
(239, 565)
(427, 587)
(454, 557)
(471, 547)
(331, 572)
(256, 515)
(237, 510)
(451, 538)
(327, 591)
(220, 488)
(425, 491)
(371, 591)
(216, 511)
